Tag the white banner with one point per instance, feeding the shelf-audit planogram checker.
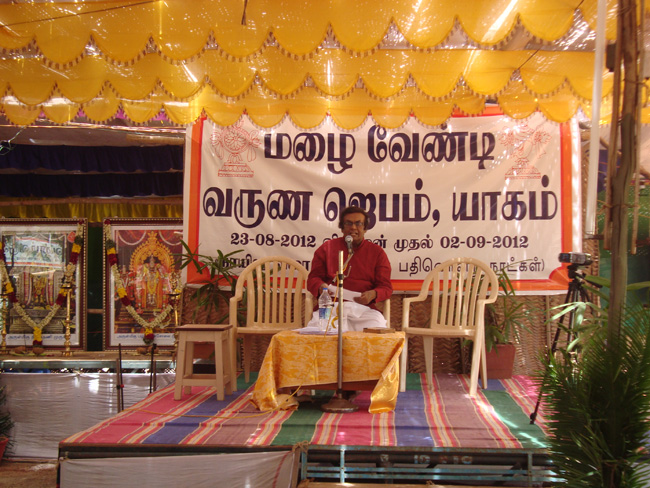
(489, 187)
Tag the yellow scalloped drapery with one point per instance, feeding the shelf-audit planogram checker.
(387, 59)
(122, 30)
(334, 73)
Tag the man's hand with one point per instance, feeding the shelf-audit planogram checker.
(366, 297)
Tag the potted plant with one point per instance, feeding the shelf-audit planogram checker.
(595, 396)
(219, 284)
(212, 297)
(504, 322)
(6, 424)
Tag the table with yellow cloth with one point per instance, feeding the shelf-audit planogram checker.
(296, 360)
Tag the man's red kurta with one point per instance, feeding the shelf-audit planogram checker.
(369, 269)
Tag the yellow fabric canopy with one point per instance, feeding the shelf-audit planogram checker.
(389, 59)
(179, 29)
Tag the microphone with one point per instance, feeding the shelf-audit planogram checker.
(348, 242)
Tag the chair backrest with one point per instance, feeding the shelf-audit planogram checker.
(274, 290)
(460, 288)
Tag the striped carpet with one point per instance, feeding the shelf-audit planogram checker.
(498, 417)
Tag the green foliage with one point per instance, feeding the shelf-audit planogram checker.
(515, 317)
(597, 398)
(219, 282)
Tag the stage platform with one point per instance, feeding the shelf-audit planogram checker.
(86, 361)
(441, 435)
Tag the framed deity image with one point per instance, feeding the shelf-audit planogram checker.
(43, 283)
(141, 281)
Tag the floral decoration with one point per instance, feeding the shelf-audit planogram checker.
(148, 335)
(68, 278)
(38, 337)
(148, 326)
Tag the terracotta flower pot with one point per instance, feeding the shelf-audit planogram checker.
(3, 445)
(500, 361)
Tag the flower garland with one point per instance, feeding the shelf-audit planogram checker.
(66, 287)
(148, 326)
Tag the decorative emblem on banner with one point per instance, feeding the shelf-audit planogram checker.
(527, 146)
(235, 140)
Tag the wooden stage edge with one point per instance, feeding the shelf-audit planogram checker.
(321, 465)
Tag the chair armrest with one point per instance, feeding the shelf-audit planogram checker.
(385, 306)
(232, 311)
(406, 310)
(309, 306)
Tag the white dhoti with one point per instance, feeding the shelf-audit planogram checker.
(356, 317)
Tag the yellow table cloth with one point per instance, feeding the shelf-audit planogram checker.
(294, 360)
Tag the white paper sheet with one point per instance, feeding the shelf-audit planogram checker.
(348, 295)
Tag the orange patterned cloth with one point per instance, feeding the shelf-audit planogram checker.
(293, 360)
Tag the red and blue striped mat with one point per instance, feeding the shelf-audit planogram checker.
(445, 416)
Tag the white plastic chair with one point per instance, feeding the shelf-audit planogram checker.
(459, 288)
(276, 298)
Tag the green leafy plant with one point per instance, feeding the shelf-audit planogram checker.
(219, 283)
(596, 395)
(505, 327)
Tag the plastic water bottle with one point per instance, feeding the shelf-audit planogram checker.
(324, 308)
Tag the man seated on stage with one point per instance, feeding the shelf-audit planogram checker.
(367, 272)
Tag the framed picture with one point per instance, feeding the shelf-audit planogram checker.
(43, 282)
(141, 281)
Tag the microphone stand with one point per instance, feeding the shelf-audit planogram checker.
(338, 404)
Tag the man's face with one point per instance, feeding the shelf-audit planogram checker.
(353, 225)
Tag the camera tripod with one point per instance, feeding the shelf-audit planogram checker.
(575, 293)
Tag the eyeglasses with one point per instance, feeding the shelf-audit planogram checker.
(349, 224)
